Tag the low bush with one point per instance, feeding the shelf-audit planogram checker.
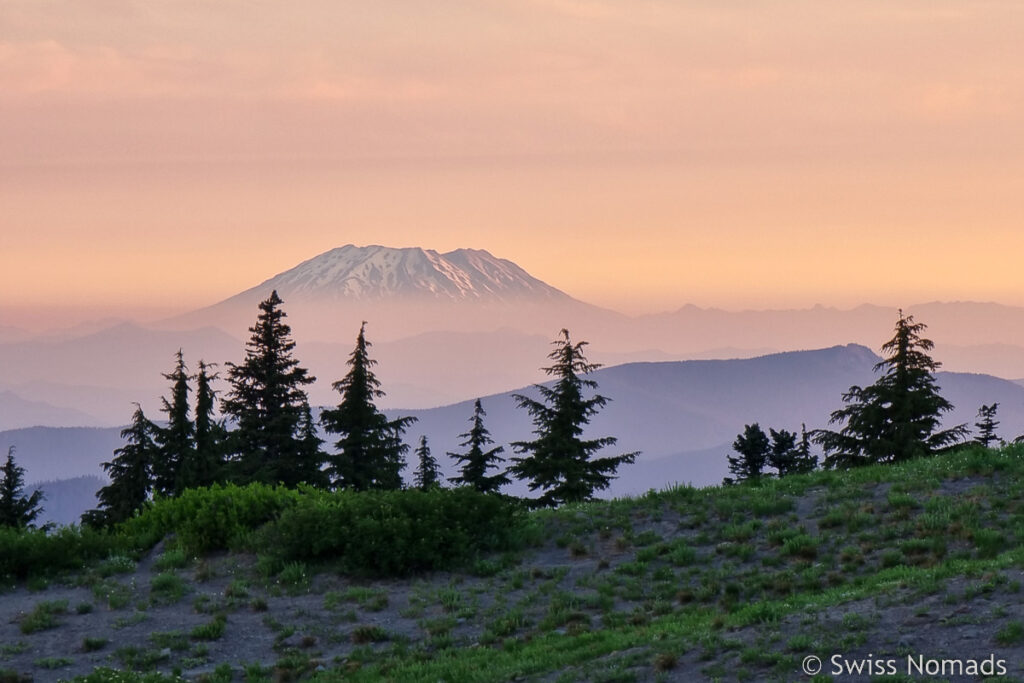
(207, 519)
(392, 533)
(375, 533)
(34, 552)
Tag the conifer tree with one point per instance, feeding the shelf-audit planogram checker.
(986, 425)
(310, 449)
(753, 450)
(804, 461)
(370, 449)
(428, 474)
(558, 462)
(176, 439)
(898, 417)
(130, 472)
(16, 510)
(476, 461)
(271, 441)
(783, 451)
(205, 466)
(788, 456)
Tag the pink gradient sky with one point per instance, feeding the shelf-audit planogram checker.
(638, 154)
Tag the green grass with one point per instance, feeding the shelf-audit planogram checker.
(115, 594)
(369, 599)
(53, 662)
(94, 643)
(44, 616)
(294, 576)
(172, 640)
(167, 588)
(1011, 634)
(212, 630)
(682, 575)
(115, 564)
(171, 559)
(368, 634)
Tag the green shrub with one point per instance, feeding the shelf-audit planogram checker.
(28, 552)
(393, 533)
(215, 518)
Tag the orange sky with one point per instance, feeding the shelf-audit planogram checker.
(639, 154)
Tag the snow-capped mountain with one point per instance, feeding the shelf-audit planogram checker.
(405, 292)
(377, 272)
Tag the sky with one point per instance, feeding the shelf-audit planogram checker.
(638, 154)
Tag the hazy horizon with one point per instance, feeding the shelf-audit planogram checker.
(57, 318)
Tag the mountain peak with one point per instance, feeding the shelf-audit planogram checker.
(378, 272)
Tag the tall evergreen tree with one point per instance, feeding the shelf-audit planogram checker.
(986, 425)
(130, 472)
(205, 466)
(898, 417)
(753, 450)
(310, 448)
(783, 451)
(558, 462)
(16, 510)
(790, 456)
(370, 449)
(428, 474)
(804, 461)
(476, 461)
(268, 406)
(176, 439)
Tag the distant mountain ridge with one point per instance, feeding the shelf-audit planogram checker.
(447, 327)
(17, 411)
(682, 415)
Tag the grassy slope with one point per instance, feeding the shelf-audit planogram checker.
(735, 583)
(753, 557)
